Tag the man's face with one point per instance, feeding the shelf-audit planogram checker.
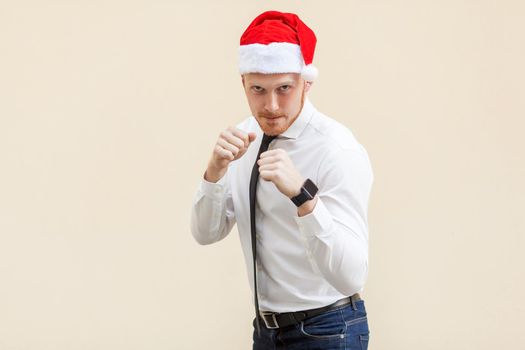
(275, 100)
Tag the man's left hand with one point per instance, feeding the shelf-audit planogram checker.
(276, 166)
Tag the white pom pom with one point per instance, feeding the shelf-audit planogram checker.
(309, 72)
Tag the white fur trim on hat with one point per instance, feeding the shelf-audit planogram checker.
(274, 58)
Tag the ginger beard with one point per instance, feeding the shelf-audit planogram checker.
(277, 123)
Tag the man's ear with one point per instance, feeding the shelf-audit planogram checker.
(307, 86)
(242, 78)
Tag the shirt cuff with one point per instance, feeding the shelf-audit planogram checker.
(213, 189)
(317, 223)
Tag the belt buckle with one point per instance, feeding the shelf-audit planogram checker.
(273, 318)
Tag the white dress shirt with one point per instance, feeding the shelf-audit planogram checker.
(302, 262)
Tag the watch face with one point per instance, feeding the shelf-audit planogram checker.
(310, 187)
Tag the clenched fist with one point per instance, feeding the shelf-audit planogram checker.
(276, 166)
(231, 145)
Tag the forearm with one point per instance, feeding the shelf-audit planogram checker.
(212, 216)
(307, 207)
(342, 261)
(335, 250)
(213, 174)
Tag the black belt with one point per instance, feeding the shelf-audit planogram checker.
(274, 320)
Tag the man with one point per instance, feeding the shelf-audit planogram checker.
(297, 184)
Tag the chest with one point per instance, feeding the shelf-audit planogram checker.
(270, 202)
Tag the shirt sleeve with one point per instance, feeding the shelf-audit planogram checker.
(212, 214)
(335, 233)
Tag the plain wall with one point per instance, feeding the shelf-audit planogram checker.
(108, 114)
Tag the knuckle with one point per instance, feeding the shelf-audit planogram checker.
(239, 142)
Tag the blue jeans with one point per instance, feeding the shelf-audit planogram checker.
(343, 328)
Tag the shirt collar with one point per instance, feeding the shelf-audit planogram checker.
(300, 122)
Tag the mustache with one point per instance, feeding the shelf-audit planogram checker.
(270, 115)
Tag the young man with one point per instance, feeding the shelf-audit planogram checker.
(297, 183)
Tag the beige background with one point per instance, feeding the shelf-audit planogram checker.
(108, 114)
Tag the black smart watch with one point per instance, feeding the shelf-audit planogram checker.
(308, 192)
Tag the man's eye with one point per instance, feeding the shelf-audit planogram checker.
(284, 87)
(257, 88)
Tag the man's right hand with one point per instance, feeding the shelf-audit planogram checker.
(231, 145)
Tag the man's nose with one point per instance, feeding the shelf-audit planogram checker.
(272, 103)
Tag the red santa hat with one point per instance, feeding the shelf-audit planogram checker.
(277, 42)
